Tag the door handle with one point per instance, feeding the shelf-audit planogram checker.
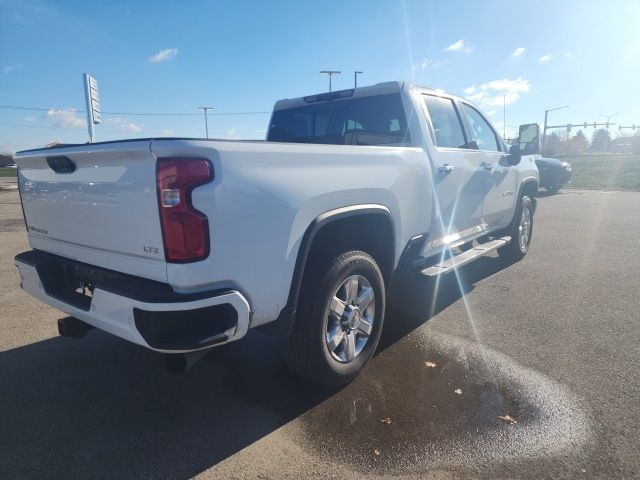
(488, 166)
(446, 168)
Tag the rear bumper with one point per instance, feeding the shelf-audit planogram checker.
(141, 311)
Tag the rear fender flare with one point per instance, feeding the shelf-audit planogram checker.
(287, 315)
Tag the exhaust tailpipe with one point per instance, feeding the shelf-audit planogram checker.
(71, 327)
(177, 363)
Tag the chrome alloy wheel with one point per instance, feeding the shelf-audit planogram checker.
(350, 318)
(524, 229)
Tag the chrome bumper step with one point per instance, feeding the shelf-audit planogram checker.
(461, 259)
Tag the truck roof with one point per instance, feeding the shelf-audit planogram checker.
(377, 89)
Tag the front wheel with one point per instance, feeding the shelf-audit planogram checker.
(338, 320)
(520, 231)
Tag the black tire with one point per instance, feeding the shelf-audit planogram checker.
(555, 189)
(514, 250)
(306, 349)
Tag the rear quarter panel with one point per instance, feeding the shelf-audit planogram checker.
(265, 195)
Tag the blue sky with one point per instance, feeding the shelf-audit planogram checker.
(241, 56)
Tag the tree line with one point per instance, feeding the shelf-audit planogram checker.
(560, 142)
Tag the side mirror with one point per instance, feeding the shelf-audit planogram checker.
(528, 143)
(529, 139)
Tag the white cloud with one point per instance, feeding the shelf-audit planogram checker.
(545, 58)
(232, 134)
(124, 125)
(568, 56)
(29, 119)
(518, 52)
(427, 63)
(495, 92)
(65, 118)
(167, 132)
(164, 55)
(459, 46)
(10, 68)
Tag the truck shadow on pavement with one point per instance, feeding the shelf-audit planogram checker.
(101, 407)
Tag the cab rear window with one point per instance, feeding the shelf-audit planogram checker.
(374, 120)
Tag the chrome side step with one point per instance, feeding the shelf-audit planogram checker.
(461, 259)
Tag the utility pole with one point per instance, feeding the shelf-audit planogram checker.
(355, 79)
(546, 116)
(206, 123)
(330, 73)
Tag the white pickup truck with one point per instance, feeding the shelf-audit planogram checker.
(180, 245)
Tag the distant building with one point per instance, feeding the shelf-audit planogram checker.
(629, 144)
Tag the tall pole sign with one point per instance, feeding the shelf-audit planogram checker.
(93, 105)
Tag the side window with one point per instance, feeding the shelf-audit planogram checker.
(446, 122)
(481, 131)
(353, 125)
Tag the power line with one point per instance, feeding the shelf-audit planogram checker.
(188, 114)
(168, 114)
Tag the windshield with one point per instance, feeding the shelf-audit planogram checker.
(374, 120)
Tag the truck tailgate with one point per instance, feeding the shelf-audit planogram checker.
(96, 204)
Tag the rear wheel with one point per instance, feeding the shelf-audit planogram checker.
(520, 231)
(338, 320)
(554, 189)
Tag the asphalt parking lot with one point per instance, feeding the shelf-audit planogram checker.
(551, 342)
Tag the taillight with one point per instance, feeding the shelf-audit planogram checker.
(185, 230)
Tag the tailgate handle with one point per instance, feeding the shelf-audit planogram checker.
(61, 164)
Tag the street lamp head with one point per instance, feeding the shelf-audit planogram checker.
(557, 108)
(330, 74)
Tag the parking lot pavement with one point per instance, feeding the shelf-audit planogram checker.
(550, 344)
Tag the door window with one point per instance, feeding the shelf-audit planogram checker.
(445, 121)
(481, 131)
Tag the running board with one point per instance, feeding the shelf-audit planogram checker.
(461, 259)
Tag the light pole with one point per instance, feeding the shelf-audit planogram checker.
(355, 78)
(608, 117)
(546, 115)
(330, 73)
(206, 124)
